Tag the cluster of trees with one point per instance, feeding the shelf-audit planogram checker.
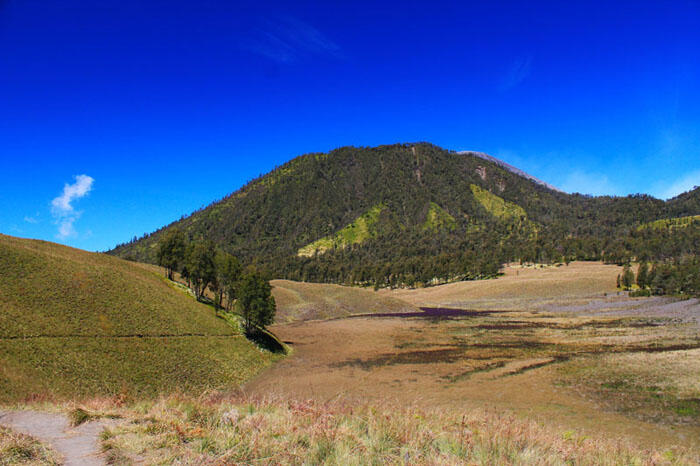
(679, 276)
(206, 267)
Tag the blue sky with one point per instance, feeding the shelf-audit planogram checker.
(119, 116)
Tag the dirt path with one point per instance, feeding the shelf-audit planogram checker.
(77, 445)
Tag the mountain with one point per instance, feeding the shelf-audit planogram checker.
(75, 323)
(412, 213)
(510, 167)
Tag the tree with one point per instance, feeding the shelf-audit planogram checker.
(171, 251)
(228, 272)
(627, 277)
(643, 275)
(200, 266)
(255, 301)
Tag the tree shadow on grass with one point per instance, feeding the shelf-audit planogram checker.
(266, 341)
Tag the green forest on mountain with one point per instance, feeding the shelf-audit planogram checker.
(416, 214)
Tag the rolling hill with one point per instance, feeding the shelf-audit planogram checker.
(75, 323)
(297, 301)
(418, 214)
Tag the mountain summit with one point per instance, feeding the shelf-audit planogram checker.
(409, 213)
(510, 167)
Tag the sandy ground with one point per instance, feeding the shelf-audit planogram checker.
(79, 446)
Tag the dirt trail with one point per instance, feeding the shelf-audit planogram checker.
(77, 445)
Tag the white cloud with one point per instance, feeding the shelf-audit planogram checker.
(596, 184)
(62, 208)
(32, 220)
(681, 185)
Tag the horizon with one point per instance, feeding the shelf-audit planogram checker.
(126, 117)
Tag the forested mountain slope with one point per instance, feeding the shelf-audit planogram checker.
(414, 213)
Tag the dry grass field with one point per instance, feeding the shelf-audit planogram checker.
(545, 365)
(556, 345)
(238, 429)
(520, 287)
(314, 301)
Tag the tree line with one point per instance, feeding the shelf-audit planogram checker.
(204, 267)
(678, 276)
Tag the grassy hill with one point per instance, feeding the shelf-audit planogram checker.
(74, 323)
(298, 301)
(417, 213)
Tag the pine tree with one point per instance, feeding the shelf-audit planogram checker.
(228, 272)
(627, 277)
(201, 266)
(255, 301)
(171, 251)
(643, 275)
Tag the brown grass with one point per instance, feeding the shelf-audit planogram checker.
(298, 301)
(505, 360)
(236, 429)
(660, 387)
(16, 448)
(520, 287)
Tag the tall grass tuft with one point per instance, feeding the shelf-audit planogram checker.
(240, 429)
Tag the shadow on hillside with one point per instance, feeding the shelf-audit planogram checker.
(266, 341)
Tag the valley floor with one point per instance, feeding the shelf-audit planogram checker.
(558, 345)
(545, 365)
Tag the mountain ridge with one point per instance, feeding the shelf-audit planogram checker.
(317, 196)
(509, 167)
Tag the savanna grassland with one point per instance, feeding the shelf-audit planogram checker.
(558, 345)
(299, 301)
(544, 365)
(78, 324)
(239, 429)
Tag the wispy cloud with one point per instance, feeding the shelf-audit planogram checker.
(289, 40)
(62, 208)
(33, 220)
(685, 183)
(596, 184)
(518, 71)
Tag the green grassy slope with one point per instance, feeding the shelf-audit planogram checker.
(438, 219)
(671, 223)
(356, 232)
(497, 206)
(74, 323)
